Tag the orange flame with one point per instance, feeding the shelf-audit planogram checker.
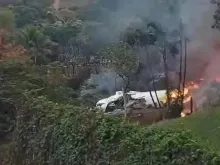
(187, 94)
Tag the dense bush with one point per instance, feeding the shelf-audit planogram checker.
(18, 75)
(48, 123)
(50, 128)
(62, 33)
(14, 79)
(30, 12)
(49, 133)
(6, 19)
(25, 15)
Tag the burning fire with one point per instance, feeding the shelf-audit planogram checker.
(186, 92)
(183, 114)
(187, 95)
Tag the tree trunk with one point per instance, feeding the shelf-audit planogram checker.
(191, 105)
(155, 91)
(184, 73)
(35, 60)
(180, 69)
(152, 98)
(166, 76)
(148, 82)
(125, 103)
(125, 98)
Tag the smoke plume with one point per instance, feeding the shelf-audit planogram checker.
(195, 15)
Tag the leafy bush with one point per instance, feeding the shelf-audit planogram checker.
(53, 129)
(6, 19)
(53, 134)
(31, 12)
(18, 75)
(62, 33)
(25, 15)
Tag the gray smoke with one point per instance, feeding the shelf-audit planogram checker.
(196, 16)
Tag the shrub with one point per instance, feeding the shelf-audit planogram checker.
(52, 131)
(6, 19)
(53, 134)
(18, 75)
(25, 15)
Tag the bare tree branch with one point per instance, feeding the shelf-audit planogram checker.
(185, 69)
(166, 75)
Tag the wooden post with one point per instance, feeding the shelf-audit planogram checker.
(191, 105)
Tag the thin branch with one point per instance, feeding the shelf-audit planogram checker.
(152, 98)
(155, 91)
(185, 70)
(181, 63)
(127, 84)
(166, 75)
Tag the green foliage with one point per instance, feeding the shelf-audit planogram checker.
(63, 94)
(53, 127)
(39, 4)
(30, 12)
(17, 76)
(53, 130)
(207, 132)
(33, 40)
(25, 15)
(62, 33)
(53, 134)
(30, 37)
(69, 37)
(123, 59)
(6, 19)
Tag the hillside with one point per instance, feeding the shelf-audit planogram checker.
(55, 64)
(78, 3)
(70, 3)
(205, 125)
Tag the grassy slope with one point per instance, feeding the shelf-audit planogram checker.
(205, 125)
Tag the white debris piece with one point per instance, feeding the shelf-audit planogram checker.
(102, 104)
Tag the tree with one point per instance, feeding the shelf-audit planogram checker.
(25, 15)
(139, 37)
(62, 32)
(124, 62)
(6, 25)
(6, 19)
(31, 12)
(216, 15)
(37, 4)
(34, 41)
(68, 36)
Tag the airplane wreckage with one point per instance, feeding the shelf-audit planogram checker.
(139, 100)
(141, 105)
